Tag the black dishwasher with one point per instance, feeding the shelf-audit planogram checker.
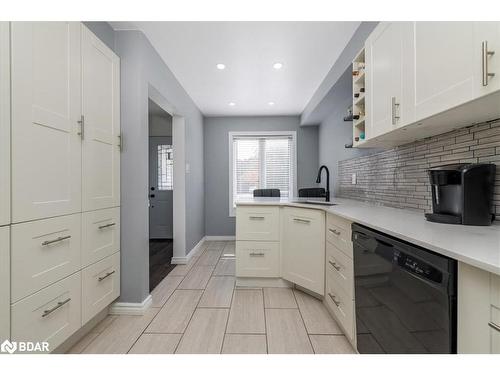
(405, 296)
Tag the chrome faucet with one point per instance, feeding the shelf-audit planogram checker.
(318, 180)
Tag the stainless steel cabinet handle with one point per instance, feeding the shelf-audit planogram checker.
(59, 304)
(106, 276)
(334, 265)
(257, 254)
(394, 110)
(496, 327)
(81, 122)
(106, 225)
(337, 303)
(58, 239)
(334, 231)
(257, 218)
(301, 220)
(120, 141)
(485, 54)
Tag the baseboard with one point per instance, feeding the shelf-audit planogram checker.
(195, 250)
(126, 308)
(220, 238)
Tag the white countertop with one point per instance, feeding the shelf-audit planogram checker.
(474, 245)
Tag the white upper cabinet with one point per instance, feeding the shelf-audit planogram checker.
(4, 124)
(46, 146)
(101, 111)
(444, 66)
(389, 72)
(486, 57)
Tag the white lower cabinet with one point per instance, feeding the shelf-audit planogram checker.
(52, 315)
(100, 286)
(303, 248)
(478, 313)
(341, 304)
(4, 284)
(43, 252)
(100, 234)
(257, 259)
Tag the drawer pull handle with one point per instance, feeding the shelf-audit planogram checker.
(302, 221)
(58, 239)
(106, 225)
(257, 217)
(257, 254)
(337, 303)
(334, 265)
(59, 304)
(496, 327)
(336, 232)
(106, 276)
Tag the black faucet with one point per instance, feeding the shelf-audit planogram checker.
(318, 180)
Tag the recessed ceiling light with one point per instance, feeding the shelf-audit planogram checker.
(271, 103)
(232, 104)
(277, 65)
(221, 66)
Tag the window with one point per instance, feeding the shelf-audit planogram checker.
(261, 161)
(165, 167)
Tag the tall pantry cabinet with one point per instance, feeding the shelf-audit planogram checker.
(65, 179)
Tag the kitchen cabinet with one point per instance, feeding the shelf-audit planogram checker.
(100, 234)
(257, 259)
(101, 119)
(46, 108)
(4, 123)
(389, 77)
(478, 312)
(303, 248)
(486, 57)
(258, 223)
(444, 66)
(4, 283)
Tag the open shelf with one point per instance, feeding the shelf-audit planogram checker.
(358, 104)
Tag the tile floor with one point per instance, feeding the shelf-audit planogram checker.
(197, 309)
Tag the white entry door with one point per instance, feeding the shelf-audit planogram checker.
(46, 146)
(160, 187)
(101, 111)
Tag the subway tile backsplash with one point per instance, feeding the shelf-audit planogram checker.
(398, 177)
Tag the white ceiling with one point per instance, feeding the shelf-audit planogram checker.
(248, 49)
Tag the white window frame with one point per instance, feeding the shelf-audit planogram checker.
(232, 135)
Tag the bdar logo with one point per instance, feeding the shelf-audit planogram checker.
(8, 347)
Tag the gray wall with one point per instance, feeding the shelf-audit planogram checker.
(217, 220)
(334, 132)
(141, 68)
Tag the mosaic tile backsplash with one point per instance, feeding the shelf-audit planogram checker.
(398, 177)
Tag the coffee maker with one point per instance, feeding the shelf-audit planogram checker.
(462, 194)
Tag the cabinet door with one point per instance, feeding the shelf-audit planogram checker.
(303, 248)
(486, 34)
(444, 66)
(4, 124)
(4, 284)
(46, 145)
(101, 110)
(389, 83)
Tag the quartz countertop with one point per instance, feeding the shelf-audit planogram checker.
(474, 245)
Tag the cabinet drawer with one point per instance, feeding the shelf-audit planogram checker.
(341, 269)
(257, 259)
(100, 234)
(43, 252)
(52, 314)
(338, 233)
(341, 305)
(100, 286)
(257, 223)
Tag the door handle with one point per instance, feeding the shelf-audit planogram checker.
(334, 265)
(304, 221)
(337, 303)
(394, 110)
(58, 239)
(151, 195)
(59, 305)
(106, 276)
(336, 232)
(485, 54)
(81, 122)
(106, 225)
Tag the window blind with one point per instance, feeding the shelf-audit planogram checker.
(262, 162)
